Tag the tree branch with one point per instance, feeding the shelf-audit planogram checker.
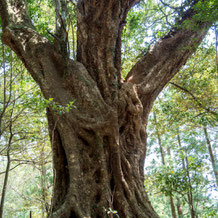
(194, 98)
(155, 69)
(14, 12)
(61, 26)
(20, 35)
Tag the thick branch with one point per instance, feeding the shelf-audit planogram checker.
(100, 25)
(165, 58)
(153, 71)
(14, 12)
(20, 35)
(17, 27)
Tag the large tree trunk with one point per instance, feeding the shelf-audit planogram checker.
(99, 156)
(99, 145)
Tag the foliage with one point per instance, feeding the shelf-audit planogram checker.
(23, 121)
(182, 111)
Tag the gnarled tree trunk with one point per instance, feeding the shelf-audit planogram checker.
(99, 146)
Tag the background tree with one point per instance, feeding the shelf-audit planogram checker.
(182, 111)
(20, 128)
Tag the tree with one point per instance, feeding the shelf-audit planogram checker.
(18, 140)
(182, 111)
(172, 205)
(99, 142)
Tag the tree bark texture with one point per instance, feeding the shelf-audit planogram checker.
(99, 146)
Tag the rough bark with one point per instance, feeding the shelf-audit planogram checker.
(99, 146)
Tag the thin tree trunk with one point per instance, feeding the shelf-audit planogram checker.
(180, 146)
(210, 150)
(4, 91)
(179, 208)
(4, 188)
(179, 203)
(185, 165)
(190, 195)
(45, 206)
(172, 205)
(159, 140)
(5, 105)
